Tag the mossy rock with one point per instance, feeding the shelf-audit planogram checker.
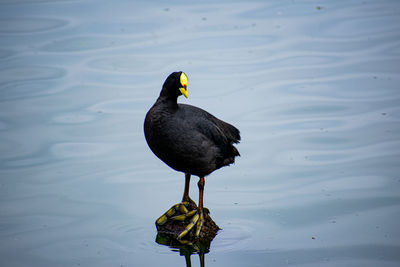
(172, 229)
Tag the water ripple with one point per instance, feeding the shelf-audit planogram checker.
(129, 64)
(235, 236)
(73, 118)
(29, 25)
(73, 150)
(119, 106)
(4, 53)
(30, 73)
(84, 43)
(31, 88)
(319, 157)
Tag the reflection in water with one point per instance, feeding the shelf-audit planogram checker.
(186, 250)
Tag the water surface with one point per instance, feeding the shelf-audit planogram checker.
(312, 85)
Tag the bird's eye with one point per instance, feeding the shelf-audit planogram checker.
(184, 79)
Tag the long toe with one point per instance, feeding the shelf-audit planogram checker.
(180, 211)
(189, 227)
(200, 223)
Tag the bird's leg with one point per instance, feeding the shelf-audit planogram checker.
(186, 197)
(201, 256)
(200, 222)
(180, 207)
(198, 218)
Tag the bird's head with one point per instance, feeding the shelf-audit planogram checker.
(176, 84)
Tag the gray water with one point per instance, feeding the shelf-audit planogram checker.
(312, 85)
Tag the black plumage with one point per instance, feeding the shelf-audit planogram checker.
(187, 138)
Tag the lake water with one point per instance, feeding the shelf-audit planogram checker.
(312, 85)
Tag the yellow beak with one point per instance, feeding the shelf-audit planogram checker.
(184, 91)
(184, 82)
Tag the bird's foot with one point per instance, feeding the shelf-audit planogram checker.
(189, 200)
(187, 226)
(197, 220)
(181, 209)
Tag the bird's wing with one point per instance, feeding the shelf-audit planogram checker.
(220, 132)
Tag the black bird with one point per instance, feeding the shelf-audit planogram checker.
(189, 140)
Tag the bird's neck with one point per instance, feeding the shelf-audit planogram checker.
(167, 98)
